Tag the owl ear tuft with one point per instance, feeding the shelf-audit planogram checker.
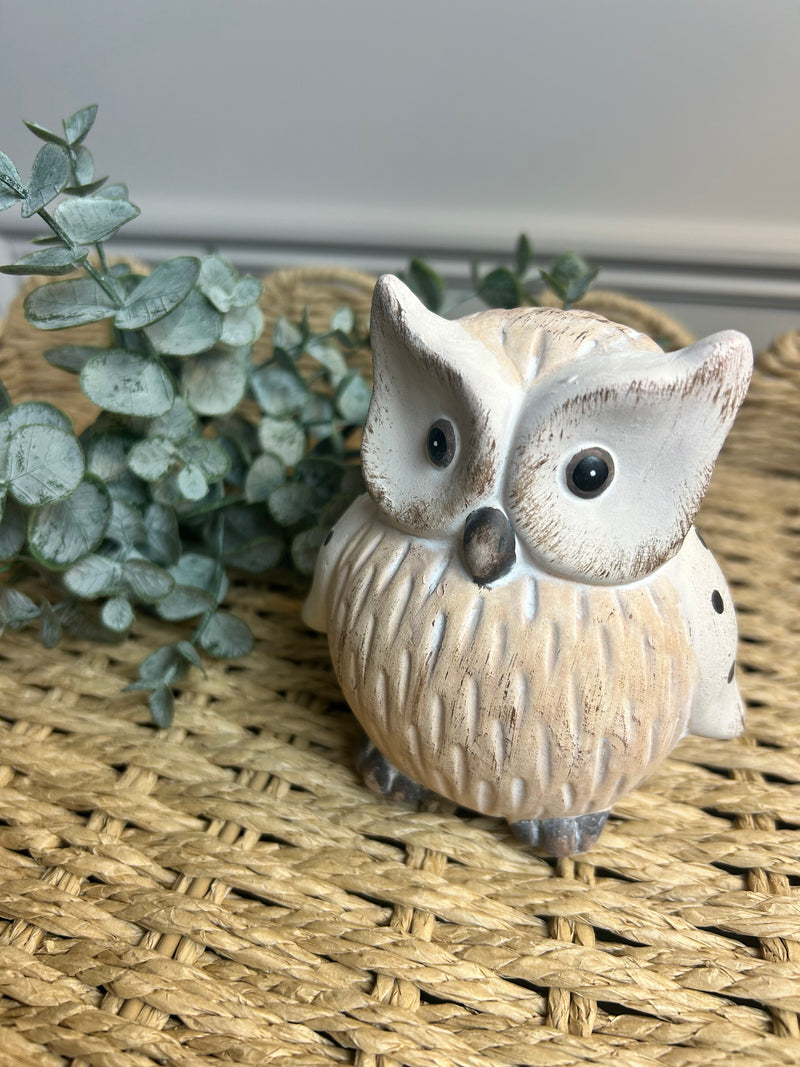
(398, 317)
(717, 371)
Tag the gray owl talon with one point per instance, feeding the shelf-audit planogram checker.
(561, 837)
(382, 777)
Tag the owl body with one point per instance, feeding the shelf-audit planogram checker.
(520, 612)
(535, 698)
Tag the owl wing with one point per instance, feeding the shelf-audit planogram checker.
(707, 606)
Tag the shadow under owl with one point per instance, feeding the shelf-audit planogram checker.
(519, 610)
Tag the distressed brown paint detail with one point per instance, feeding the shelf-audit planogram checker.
(577, 734)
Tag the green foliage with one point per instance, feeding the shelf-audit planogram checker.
(201, 460)
(517, 284)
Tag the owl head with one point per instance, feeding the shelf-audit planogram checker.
(540, 436)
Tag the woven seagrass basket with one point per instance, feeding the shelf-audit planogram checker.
(227, 891)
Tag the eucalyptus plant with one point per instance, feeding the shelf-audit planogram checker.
(201, 459)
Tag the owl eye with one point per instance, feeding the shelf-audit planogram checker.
(590, 472)
(441, 443)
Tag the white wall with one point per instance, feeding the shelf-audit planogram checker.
(667, 131)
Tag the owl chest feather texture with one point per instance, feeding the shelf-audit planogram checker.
(534, 698)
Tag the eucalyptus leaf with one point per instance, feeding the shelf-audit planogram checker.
(16, 608)
(78, 125)
(129, 488)
(306, 546)
(217, 282)
(34, 413)
(242, 326)
(248, 542)
(83, 620)
(247, 292)
(214, 383)
(239, 459)
(501, 289)
(192, 327)
(62, 533)
(426, 283)
(192, 483)
(184, 602)
(128, 383)
(117, 614)
(161, 703)
(317, 414)
(117, 191)
(207, 456)
(162, 667)
(82, 166)
(126, 525)
(292, 503)
(45, 465)
(321, 472)
(157, 294)
(68, 303)
(570, 277)
(226, 637)
(10, 174)
(51, 630)
(202, 572)
(152, 458)
(107, 453)
(44, 134)
(190, 653)
(256, 556)
(92, 219)
(343, 319)
(13, 530)
(147, 581)
(162, 706)
(176, 424)
(72, 358)
(85, 190)
(330, 357)
(7, 197)
(286, 336)
(283, 438)
(333, 509)
(522, 255)
(265, 474)
(94, 576)
(352, 398)
(49, 175)
(162, 535)
(48, 261)
(279, 392)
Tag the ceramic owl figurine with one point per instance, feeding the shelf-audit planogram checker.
(520, 612)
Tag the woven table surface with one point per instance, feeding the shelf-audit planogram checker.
(228, 891)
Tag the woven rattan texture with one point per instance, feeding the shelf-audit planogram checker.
(227, 890)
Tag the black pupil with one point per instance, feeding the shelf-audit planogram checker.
(590, 474)
(441, 443)
(437, 445)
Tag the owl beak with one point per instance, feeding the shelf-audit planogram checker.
(489, 545)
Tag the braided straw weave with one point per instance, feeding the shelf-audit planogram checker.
(227, 890)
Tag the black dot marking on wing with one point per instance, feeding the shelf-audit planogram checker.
(716, 602)
(700, 538)
(327, 539)
(731, 672)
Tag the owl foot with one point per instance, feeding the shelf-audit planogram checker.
(561, 837)
(381, 777)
